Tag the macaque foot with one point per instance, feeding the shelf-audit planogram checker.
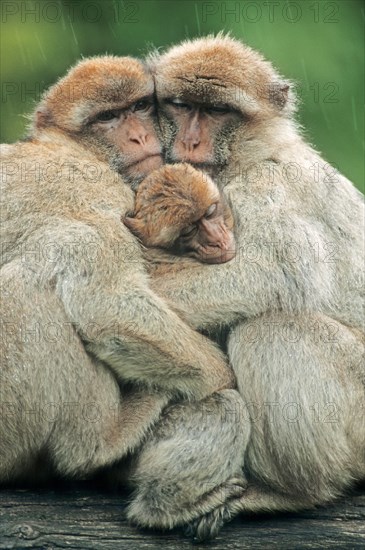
(204, 519)
(185, 471)
(227, 498)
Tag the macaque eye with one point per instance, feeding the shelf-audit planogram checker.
(217, 109)
(142, 105)
(188, 231)
(107, 116)
(211, 210)
(179, 104)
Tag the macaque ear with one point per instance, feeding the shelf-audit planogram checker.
(134, 225)
(278, 94)
(43, 117)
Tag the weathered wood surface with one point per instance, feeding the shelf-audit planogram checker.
(83, 517)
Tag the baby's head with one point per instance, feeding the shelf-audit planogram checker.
(180, 209)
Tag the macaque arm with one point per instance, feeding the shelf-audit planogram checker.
(281, 270)
(105, 294)
(208, 295)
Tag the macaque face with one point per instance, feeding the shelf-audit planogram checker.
(212, 93)
(107, 104)
(180, 209)
(199, 133)
(131, 130)
(210, 238)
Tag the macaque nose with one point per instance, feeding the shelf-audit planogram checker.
(191, 137)
(139, 138)
(215, 234)
(137, 134)
(191, 141)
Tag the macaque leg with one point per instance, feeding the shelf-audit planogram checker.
(303, 381)
(64, 414)
(190, 470)
(58, 407)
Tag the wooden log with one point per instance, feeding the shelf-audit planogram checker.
(83, 517)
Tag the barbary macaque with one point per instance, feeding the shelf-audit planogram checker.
(180, 209)
(95, 366)
(294, 295)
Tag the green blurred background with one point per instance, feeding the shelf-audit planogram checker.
(318, 44)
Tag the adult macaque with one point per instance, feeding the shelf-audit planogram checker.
(180, 209)
(296, 283)
(77, 309)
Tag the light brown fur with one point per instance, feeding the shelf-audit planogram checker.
(180, 209)
(293, 296)
(78, 314)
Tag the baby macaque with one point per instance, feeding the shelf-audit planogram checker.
(180, 209)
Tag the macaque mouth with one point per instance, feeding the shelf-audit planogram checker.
(153, 156)
(197, 159)
(214, 254)
(204, 163)
(204, 166)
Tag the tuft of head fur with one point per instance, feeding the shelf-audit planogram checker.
(93, 85)
(220, 69)
(168, 200)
